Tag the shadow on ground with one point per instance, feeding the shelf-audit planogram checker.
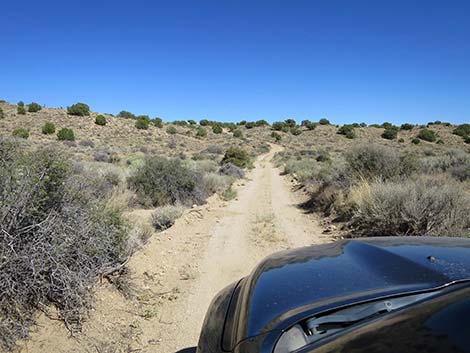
(187, 350)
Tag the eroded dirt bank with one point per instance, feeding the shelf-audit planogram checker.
(179, 271)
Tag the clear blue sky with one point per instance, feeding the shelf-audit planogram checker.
(352, 60)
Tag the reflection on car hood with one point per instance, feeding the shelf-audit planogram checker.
(290, 281)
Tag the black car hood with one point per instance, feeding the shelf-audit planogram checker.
(294, 281)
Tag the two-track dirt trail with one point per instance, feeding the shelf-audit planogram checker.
(179, 271)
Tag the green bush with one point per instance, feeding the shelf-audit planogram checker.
(171, 130)
(407, 126)
(324, 121)
(290, 122)
(440, 142)
(165, 216)
(201, 132)
(261, 122)
(58, 235)
(217, 129)
(66, 134)
(278, 125)
(78, 109)
(237, 156)
(160, 181)
(2, 114)
(20, 104)
(20, 110)
(348, 131)
(34, 107)
(401, 140)
(21, 133)
(192, 122)
(309, 124)
(238, 134)
(390, 133)
(48, 128)
(295, 130)
(142, 123)
(157, 122)
(462, 130)
(371, 162)
(100, 120)
(250, 125)
(126, 115)
(427, 135)
(415, 141)
(276, 136)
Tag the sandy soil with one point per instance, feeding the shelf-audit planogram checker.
(180, 270)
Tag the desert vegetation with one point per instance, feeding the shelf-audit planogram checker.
(376, 190)
(71, 177)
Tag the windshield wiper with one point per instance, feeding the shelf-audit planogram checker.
(329, 323)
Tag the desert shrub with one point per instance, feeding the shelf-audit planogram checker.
(165, 216)
(142, 123)
(415, 141)
(201, 132)
(2, 114)
(160, 181)
(250, 125)
(58, 235)
(426, 206)
(213, 149)
(217, 129)
(157, 122)
(237, 156)
(48, 128)
(20, 110)
(213, 183)
(376, 161)
(20, 104)
(192, 122)
(462, 130)
(276, 136)
(171, 130)
(21, 133)
(348, 131)
(309, 124)
(261, 122)
(66, 134)
(322, 156)
(204, 122)
(440, 142)
(238, 134)
(34, 107)
(407, 126)
(453, 159)
(427, 135)
(390, 133)
(180, 123)
(126, 115)
(295, 130)
(324, 121)
(290, 122)
(229, 194)
(401, 140)
(78, 109)
(278, 125)
(466, 139)
(303, 169)
(100, 120)
(232, 170)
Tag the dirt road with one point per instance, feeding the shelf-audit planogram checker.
(179, 271)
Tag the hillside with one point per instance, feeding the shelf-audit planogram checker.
(141, 227)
